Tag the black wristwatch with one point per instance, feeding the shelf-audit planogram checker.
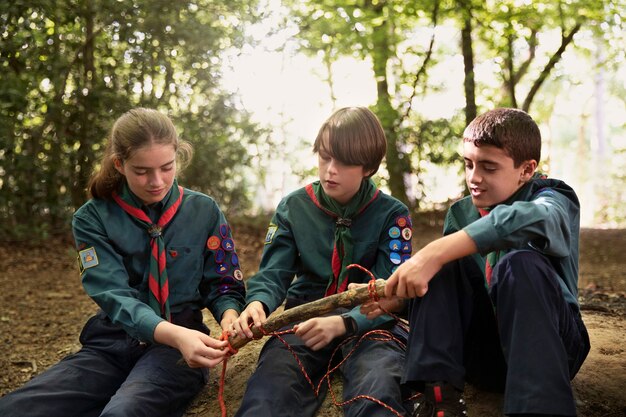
(350, 324)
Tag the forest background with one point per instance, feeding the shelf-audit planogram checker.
(250, 82)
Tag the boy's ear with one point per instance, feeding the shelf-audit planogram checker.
(528, 170)
(369, 173)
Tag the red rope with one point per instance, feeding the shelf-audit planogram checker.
(376, 335)
(220, 391)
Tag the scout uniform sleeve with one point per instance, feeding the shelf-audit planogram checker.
(222, 286)
(394, 248)
(278, 263)
(542, 224)
(105, 279)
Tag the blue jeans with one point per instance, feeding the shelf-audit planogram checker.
(112, 375)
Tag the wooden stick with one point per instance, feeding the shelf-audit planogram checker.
(347, 299)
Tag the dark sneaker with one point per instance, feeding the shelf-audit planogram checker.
(441, 400)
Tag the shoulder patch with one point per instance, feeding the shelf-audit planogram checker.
(394, 232)
(213, 242)
(271, 231)
(87, 258)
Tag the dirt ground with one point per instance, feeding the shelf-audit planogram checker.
(43, 308)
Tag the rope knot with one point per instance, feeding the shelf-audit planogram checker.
(343, 222)
(225, 336)
(371, 289)
(154, 231)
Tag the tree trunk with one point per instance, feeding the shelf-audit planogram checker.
(468, 63)
(397, 163)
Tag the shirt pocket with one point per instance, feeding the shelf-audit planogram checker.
(184, 271)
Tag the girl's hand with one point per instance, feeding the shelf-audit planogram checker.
(320, 331)
(199, 350)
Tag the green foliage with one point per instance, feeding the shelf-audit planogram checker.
(70, 68)
(375, 30)
(515, 38)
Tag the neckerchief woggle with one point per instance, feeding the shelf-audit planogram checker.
(157, 279)
(343, 215)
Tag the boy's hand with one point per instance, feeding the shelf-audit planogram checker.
(372, 309)
(228, 318)
(412, 277)
(253, 314)
(320, 331)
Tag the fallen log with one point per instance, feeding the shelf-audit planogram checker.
(276, 321)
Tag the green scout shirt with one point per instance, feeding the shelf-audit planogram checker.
(544, 215)
(114, 255)
(296, 261)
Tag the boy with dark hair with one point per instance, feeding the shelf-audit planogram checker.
(315, 233)
(494, 301)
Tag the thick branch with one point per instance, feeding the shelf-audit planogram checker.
(532, 48)
(565, 40)
(422, 69)
(347, 299)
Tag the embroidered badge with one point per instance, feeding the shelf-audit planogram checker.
(228, 280)
(395, 259)
(405, 258)
(223, 289)
(213, 242)
(271, 231)
(224, 230)
(238, 274)
(407, 233)
(395, 245)
(401, 221)
(228, 244)
(220, 255)
(406, 247)
(173, 253)
(234, 259)
(221, 268)
(87, 258)
(394, 232)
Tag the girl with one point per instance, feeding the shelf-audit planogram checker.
(152, 255)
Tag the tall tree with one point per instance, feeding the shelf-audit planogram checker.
(516, 36)
(70, 67)
(373, 30)
(467, 49)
